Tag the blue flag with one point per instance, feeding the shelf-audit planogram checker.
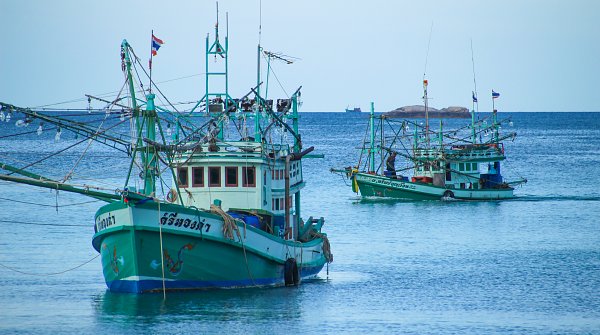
(495, 94)
(474, 97)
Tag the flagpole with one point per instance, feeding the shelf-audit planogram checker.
(495, 127)
(150, 64)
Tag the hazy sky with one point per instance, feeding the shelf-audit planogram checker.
(539, 55)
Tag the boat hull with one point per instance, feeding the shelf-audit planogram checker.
(381, 186)
(195, 253)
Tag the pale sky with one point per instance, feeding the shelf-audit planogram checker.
(539, 55)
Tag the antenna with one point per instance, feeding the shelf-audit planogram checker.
(475, 100)
(279, 56)
(427, 55)
(259, 21)
(425, 98)
(474, 81)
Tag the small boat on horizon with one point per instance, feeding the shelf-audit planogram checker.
(353, 110)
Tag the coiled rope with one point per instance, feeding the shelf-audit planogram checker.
(229, 225)
(326, 246)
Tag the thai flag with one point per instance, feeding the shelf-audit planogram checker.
(474, 97)
(495, 94)
(156, 44)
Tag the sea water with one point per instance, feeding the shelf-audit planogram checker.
(530, 265)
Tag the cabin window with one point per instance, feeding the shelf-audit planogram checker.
(468, 166)
(182, 177)
(198, 176)
(249, 176)
(277, 204)
(214, 176)
(475, 167)
(461, 167)
(231, 176)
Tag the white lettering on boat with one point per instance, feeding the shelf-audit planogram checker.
(391, 183)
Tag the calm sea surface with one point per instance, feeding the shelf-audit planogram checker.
(525, 266)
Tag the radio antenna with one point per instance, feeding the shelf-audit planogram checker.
(428, 45)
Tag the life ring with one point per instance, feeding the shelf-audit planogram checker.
(290, 272)
(172, 195)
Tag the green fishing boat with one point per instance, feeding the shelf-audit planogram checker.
(232, 216)
(462, 163)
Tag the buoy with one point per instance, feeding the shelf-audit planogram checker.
(172, 195)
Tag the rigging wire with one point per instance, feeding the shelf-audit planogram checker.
(70, 174)
(51, 273)
(66, 148)
(277, 78)
(45, 205)
(113, 92)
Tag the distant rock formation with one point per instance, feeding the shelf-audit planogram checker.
(418, 111)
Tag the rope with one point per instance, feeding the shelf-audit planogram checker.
(229, 225)
(48, 274)
(162, 261)
(326, 246)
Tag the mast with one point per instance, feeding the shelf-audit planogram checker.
(147, 117)
(494, 116)
(425, 100)
(217, 49)
(151, 166)
(441, 135)
(257, 133)
(425, 88)
(372, 147)
(295, 96)
(473, 134)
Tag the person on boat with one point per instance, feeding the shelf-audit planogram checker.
(390, 166)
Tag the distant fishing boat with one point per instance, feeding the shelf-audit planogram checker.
(232, 215)
(437, 164)
(353, 110)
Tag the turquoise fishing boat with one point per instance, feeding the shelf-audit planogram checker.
(436, 164)
(232, 216)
